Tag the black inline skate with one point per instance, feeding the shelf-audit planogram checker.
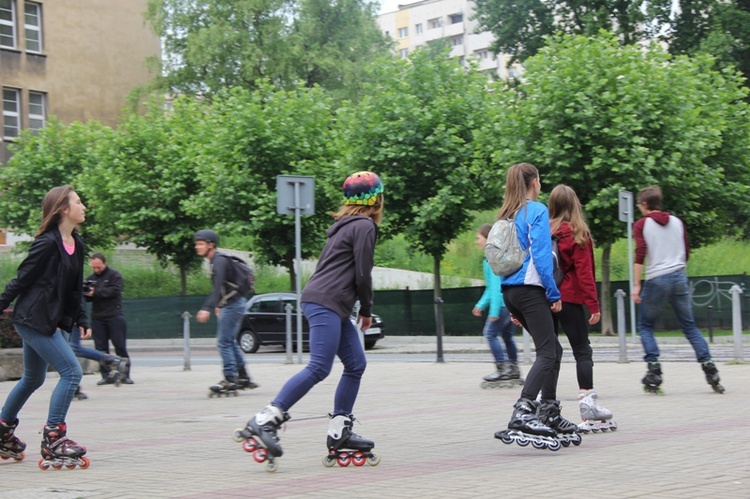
(79, 395)
(260, 436)
(712, 376)
(345, 446)
(652, 380)
(525, 428)
(503, 377)
(567, 432)
(244, 381)
(224, 388)
(117, 367)
(11, 447)
(58, 450)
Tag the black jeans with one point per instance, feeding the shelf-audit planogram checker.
(572, 318)
(529, 305)
(114, 329)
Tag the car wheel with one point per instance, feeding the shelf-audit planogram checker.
(369, 345)
(248, 341)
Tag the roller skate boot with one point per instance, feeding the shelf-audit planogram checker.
(11, 447)
(260, 436)
(524, 428)
(79, 395)
(566, 431)
(502, 378)
(652, 380)
(345, 446)
(712, 376)
(58, 450)
(224, 388)
(595, 417)
(515, 373)
(244, 381)
(118, 366)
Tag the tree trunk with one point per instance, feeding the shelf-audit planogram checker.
(289, 264)
(183, 280)
(605, 300)
(438, 293)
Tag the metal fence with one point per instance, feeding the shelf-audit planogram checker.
(412, 312)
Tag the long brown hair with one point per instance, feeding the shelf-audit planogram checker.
(517, 184)
(374, 211)
(564, 206)
(53, 204)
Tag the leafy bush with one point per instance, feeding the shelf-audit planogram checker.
(8, 336)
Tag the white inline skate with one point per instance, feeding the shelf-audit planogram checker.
(595, 417)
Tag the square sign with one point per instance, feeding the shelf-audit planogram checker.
(285, 187)
(626, 206)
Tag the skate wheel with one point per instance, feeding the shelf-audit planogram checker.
(505, 438)
(329, 460)
(57, 466)
(358, 459)
(373, 459)
(577, 440)
(43, 465)
(522, 441)
(554, 446)
(20, 457)
(565, 443)
(344, 460)
(260, 455)
(271, 466)
(485, 385)
(538, 445)
(250, 445)
(237, 435)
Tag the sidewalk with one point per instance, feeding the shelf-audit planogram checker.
(432, 424)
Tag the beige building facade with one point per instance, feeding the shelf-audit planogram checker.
(74, 59)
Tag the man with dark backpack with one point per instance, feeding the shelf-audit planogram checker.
(231, 281)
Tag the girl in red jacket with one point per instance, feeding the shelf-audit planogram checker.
(578, 288)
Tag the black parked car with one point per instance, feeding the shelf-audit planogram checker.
(264, 323)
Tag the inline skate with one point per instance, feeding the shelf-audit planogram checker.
(11, 447)
(712, 376)
(79, 395)
(260, 436)
(502, 378)
(117, 367)
(652, 380)
(345, 446)
(224, 388)
(595, 417)
(525, 428)
(244, 381)
(58, 450)
(566, 431)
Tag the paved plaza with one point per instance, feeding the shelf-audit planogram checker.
(432, 423)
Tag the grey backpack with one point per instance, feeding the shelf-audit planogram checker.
(503, 249)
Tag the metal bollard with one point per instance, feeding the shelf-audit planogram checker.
(526, 347)
(737, 322)
(439, 325)
(288, 310)
(186, 336)
(621, 333)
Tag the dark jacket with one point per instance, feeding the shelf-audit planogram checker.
(107, 299)
(48, 286)
(577, 263)
(344, 270)
(221, 270)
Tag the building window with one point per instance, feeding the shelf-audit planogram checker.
(37, 110)
(403, 32)
(482, 54)
(435, 23)
(11, 114)
(455, 18)
(33, 26)
(512, 72)
(457, 40)
(404, 53)
(418, 28)
(8, 23)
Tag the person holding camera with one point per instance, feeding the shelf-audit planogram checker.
(103, 289)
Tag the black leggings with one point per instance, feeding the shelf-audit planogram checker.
(572, 318)
(529, 305)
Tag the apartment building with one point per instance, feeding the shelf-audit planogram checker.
(415, 24)
(75, 59)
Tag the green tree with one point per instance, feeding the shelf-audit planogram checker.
(415, 128)
(600, 117)
(55, 155)
(144, 178)
(251, 137)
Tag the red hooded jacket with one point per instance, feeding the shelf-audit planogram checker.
(577, 262)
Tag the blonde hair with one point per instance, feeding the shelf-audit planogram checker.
(53, 204)
(374, 211)
(564, 206)
(517, 184)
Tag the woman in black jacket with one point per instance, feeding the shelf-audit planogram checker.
(48, 293)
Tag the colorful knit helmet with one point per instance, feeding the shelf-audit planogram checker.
(362, 188)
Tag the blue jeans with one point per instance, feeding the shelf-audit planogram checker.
(675, 289)
(39, 351)
(229, 322)
(330, 336)
(80, 350)
(504, 328)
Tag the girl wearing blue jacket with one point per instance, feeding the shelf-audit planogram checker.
(498, 321)
(531, 296)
